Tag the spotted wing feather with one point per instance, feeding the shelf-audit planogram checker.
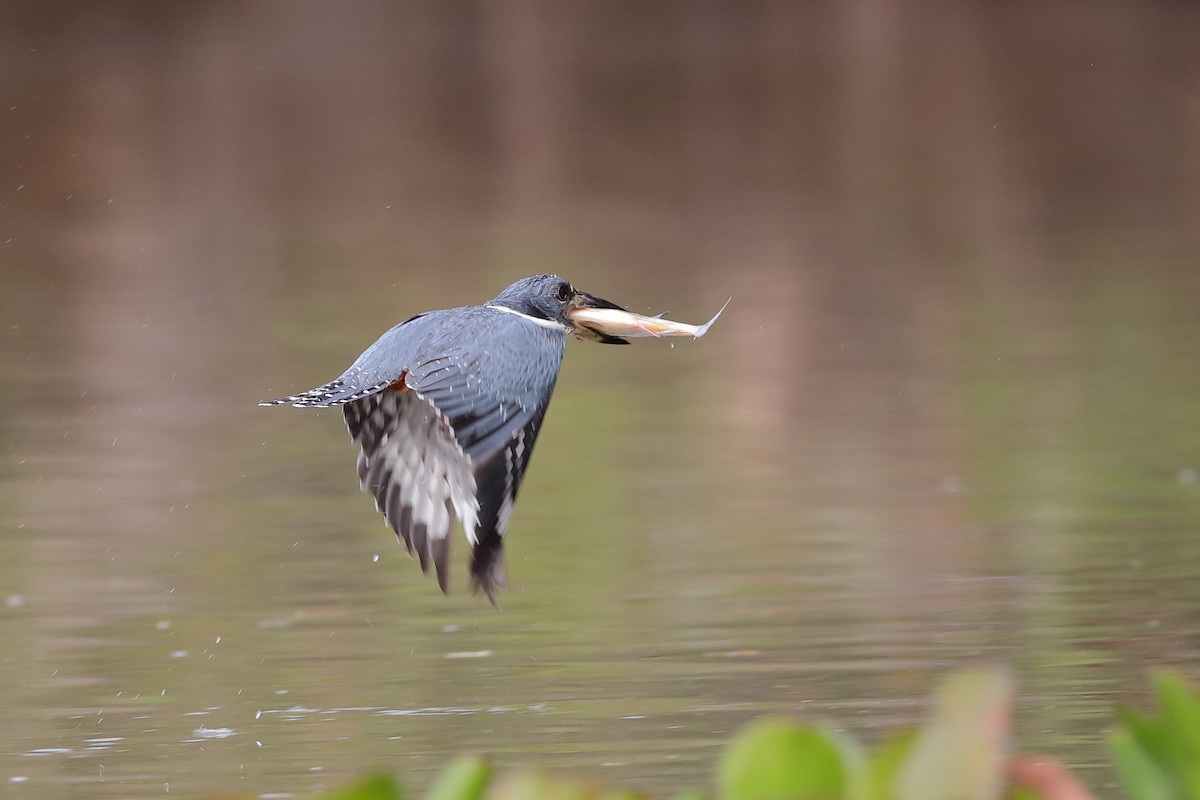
(376, 369)
(335, 393)
(419, 476)
(493, 385)
(446, 408)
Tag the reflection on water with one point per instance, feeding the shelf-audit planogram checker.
(949, 415)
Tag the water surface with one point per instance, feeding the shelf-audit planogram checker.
(950, 415)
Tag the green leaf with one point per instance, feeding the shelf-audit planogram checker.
(773, 759)
(878, 781)
(959, 754)
(375, 787)
(465, 778)
(1159, 756)
(1181, 728)
(1022, 793)
(1140, 776)
(1181, 710)
(535, 785)
(1144, 730)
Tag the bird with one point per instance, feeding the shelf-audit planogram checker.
(445, 409)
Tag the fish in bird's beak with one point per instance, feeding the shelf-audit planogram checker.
(606, 322)
(582, 303)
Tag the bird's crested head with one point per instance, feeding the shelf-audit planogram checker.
(551, 298)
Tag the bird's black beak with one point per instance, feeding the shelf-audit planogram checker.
(583, 300)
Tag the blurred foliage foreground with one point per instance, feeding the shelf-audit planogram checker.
(961, 753)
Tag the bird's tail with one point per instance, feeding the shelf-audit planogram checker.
(335, 393)
(488, 572)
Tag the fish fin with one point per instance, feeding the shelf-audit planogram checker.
(606, 339)
(703, 329)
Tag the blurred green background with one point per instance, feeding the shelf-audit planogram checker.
(951, 413)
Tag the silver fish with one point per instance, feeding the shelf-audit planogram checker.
(614, 322)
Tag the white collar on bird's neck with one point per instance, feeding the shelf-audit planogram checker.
(545, 323)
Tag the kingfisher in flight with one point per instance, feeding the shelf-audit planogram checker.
(446, 406)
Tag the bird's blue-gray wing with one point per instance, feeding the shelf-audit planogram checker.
(376, 369)
(408, 460)
(492, 383)
(446, 408)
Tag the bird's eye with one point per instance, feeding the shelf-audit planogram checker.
(563, 292)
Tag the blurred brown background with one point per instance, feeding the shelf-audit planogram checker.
(950, 414)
